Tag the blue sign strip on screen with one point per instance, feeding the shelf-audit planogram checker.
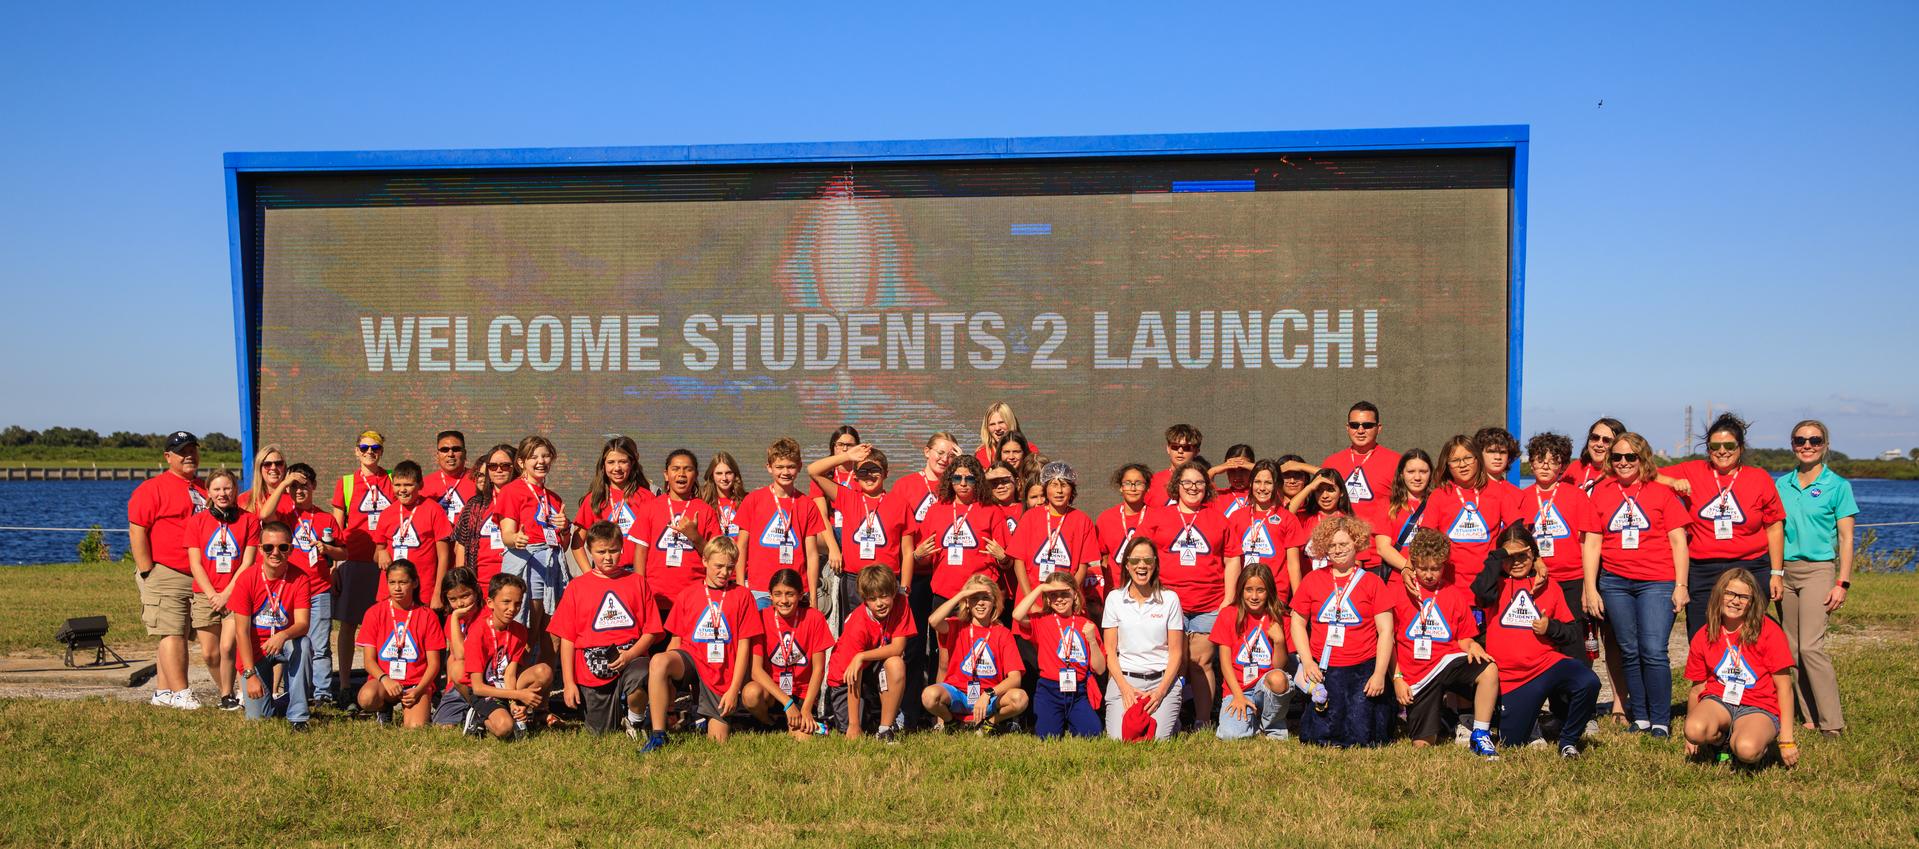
(1212, 185)
(1032, 229)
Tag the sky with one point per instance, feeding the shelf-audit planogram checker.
(1733, 226)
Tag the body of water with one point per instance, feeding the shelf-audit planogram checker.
(80, 504)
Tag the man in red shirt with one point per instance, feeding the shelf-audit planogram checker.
(359, 497)
(1366, 466)
(157, 515)
(452, 483)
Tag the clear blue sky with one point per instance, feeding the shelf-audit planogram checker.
(1726, 229)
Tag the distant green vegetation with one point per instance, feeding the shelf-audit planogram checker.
(1778, 460)
(74, 446)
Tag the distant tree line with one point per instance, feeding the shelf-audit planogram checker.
(80, 437)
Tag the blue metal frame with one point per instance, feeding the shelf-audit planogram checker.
(1514, 137)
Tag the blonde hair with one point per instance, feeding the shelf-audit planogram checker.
(1063, 580)
(261, 455)
(981, 582)
(1648, 470)
(1825, 450)
(720, 545)
(1005, 411)
(1755, 609)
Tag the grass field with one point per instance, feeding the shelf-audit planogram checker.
(100, 773)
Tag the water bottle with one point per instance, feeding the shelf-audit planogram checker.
(1592, 643)
(326, 536)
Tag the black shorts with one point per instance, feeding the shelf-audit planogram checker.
(604, 706)
(869, 704)
(1424, 717)
(709, 701)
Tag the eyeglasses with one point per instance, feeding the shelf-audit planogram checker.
(1140, 561)
(1603, 440)
(1181, 446)
(842, 446)
(282, 548)
(1132, 484)
(372, 449)
(451, 449)
(1628, 457)
(969, 480)
(1192, 484)
(1814, 441)
(1460, 462)
(1722, 446)
(1739, 597)
(499, 467)
(1361, 425)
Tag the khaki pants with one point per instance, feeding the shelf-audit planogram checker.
(1802, 611)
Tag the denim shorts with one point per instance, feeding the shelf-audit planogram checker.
(1739, 711)
(1201, 623)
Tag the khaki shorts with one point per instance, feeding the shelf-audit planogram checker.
(205, 615)
(167, 602)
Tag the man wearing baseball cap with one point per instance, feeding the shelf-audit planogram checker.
(358, 498)
(157, 515)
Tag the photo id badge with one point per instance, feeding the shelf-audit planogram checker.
(1722, 528)
(1545, 545)
(673, 555)
(1629, 539)
(786, 683)
(839, 520)
(716, 652)
(1188, 557)
(867, 550)
(786, 555)
(1247, 675)
(973, 692)
(955, 555)
(396, 670)
(1734, 693)
(881, 680)
(1423, 648)
(372, 522)
(1335, 635)
(1068, 680)
(223, 565)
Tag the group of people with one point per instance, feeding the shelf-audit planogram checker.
(1372, 594)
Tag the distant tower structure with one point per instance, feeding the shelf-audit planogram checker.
(1687, 440)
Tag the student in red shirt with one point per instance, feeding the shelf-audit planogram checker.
(917, 493)
(608, 625)
(1734, 519)
(1002, 489)
(1268, 532)
(778, 525)
(723, 490)
(1466, 509)
(414, 528)
(1321, 499)
(1238, 469)
(157, 515)
(1530, 635)
(451, 485)
(358, 499)
(1055, 536)
(476, 537)
(1436, 650)
(505, 688)
(670, 531)
(713, 625)
(867, 665)
(1342, 626)
(618, 493)
(1066, 699)
(789, 659)
(844, 439)
(1294, 474)
(999, 422)
(1412, 484)
(1018, 454)
(268, 499)
(1591, 467)
(873, 529)
(1741, 669)
(222, 542)
(1199, 560)
(534, 528)
(1497, 448)
(962, 535)
(465, 606)
(1182, 446)
(1253, 651)
(405, 647)
(982, 681)
(1365, 467)
(1640, 582)
(269, 606)
(315, 550)
(1566, 531)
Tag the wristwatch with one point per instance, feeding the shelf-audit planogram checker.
(1845, 585)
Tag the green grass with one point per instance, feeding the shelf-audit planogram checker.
(115, 774)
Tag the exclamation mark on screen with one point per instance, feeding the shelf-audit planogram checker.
(1369, 328)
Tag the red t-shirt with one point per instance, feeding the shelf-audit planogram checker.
(985, 655)
(491, 549)
(1442, 618)
(1560, 518)
(1651, 509)
(271, 604)
(1156, 489)
(1264, 535)
(222, 546)
(280, 511)
(162, 505)
(711, 624)
(1722, 661)
(672, 563)
(1510, 496)
(865, 632)
(394, 636)
(1366, 557)
(1193, 548)
(309, 529)
(1584, 475)
(917, 494)
(1061, 641)
(457, 629)
(729, 515)
(871, 523)
(1046, 543)
(1520, 653)
(1400, 526)
(789, 648)
(451, 493)
(848, 488)
(620, 511)
(775, 529)
(489, 652)
(1369, 480)
(1350, 602)
(1470, 519)
(371, 495)
(1251, 645)
(1727, 515)
(1114, 527)
(960, 532)
(600, 611)
(1229, 502)
(414, 534)
(538, 511)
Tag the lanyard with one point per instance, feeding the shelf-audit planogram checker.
(1359, 461)
(673, 518)
(1545, 496)
(1459, 492)
(539, 501)
(1127, 531)
(1726, 487)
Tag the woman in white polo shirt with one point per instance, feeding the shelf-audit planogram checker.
(1143, 623)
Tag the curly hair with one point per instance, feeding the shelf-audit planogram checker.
(1355, 527)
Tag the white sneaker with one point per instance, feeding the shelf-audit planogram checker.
(162, 698)
(184, 700)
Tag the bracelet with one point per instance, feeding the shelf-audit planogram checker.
(1788, 744)
(788, 706)
(1779, 573)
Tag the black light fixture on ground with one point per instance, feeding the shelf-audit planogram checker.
(87, 632)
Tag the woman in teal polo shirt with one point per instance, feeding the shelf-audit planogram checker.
(1818, 571)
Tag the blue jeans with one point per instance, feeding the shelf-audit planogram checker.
(1573, 690)
(292, 659)
(1642, 617)
(1268, 716)
(319, 640)
(1056, 714)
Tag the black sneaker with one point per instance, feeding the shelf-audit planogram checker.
(888, 735)
(230, 703)
(298, 727)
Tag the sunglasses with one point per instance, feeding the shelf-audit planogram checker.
(1722, 446)
(282, 548)
(1140, 561)
(1814, 441)
(273, 464)
(999, 482)
(451, 449)
(372, 449)
(1628, 457)
(870, 471)
(1181, 446)
(1361, 425)
(969, 480)
(1593, 437)
(499, 467)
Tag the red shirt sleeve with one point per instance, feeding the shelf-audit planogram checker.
(1696, 658)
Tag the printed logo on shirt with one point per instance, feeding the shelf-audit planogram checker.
(373, 501)
(304, 538)
(1053, 554)
(1072, 646)
(919, 513)
(400, 646)
(1255, 650)
(788, 654)
(1551, 524)
(491, 530)
(1190, 539)
(1358, 488)
(1257, 542)
(1520, 612)
(869, 531)
(200, 501)
(712, 626)
(1724, 506)
(452, 503)
(1733, 669)
(1344, 614)
(1237, 504)
(406, 537)
(959, 535)
(775, 534)
(670, 538)
(271, 615)
(979, 661)
(495, 673)
(222, 544)
(613, 614)
(1628, 515)
(621, 515)
(1469, 526)
(1429, 624)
